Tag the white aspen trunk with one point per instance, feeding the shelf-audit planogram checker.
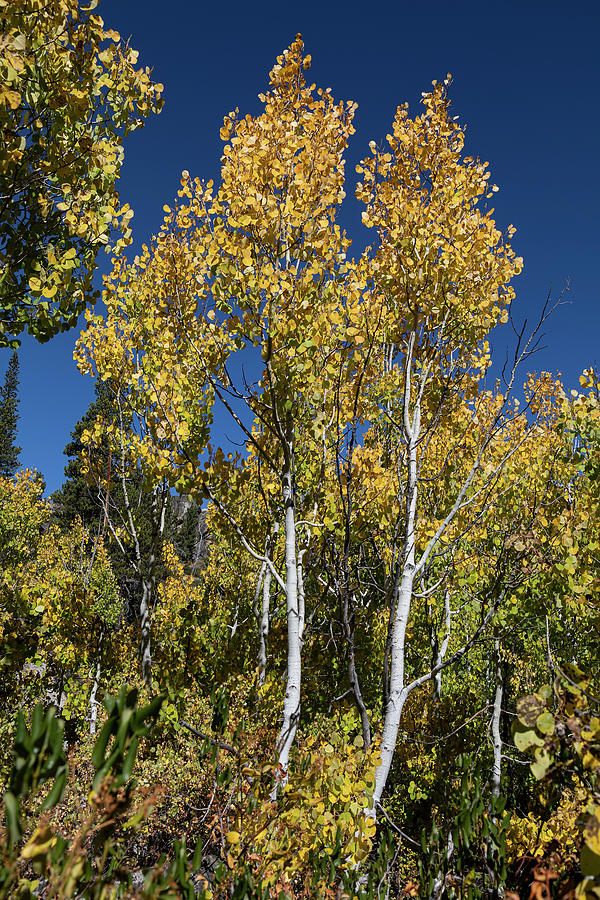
(146, 573)
(61, 696)
(497, 759)
(263, 614)
(397, 690)
(95, 686)
(440, 652)
(291, 703)
(263, 632)
(437, 678)
(145, 653)
(397, 693)
(258, 616)
(158, 511)
(93, 701)
(147, 598)
(496, 715)
(549, 659)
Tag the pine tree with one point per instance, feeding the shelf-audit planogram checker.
(78, 498)
(9, 452)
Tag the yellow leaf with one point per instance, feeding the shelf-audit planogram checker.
(39, 843)
(592, 832)
(13, 98)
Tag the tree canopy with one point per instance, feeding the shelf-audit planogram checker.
(70, 93)
(377, 675)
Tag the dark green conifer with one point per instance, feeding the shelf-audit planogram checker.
(78, 498)
(9, 414)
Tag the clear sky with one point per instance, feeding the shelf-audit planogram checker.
(526, 78)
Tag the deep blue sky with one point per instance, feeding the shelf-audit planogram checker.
(525, 83)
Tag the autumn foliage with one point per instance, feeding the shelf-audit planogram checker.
(394, 546)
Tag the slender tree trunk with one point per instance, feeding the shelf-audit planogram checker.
(291, 703)
(352, 673)
(257, 611)
(262, 613)
(264, 627)
(145, 651)
(96, 685)
(144, 569)
(385, 680)
(397, 690)
(496, 717)
(496, 762)
(158, 510)
(438, 651)
(61, 697)
(397, 693)
(301, 597)
(549, 658)
(148, 585)
(435, 658)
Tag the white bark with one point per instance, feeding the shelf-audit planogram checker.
(397, 689)
(158, 509)
(496, 714)
(437, 679)
(439, 652)
(145, 653)
(93, 702)
(264, 627)
(291, 703)
(257, 611)
(262, 613)
(145, 569)
(301, 598)
(409, 568)
(549, 658)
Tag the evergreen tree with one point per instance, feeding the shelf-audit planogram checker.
(9, 452)
(92, 504)
(191, 534)
(77, 498)
(187, 536)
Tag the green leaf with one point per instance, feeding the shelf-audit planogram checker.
(100, 745)
(545, 722)
(589, 861)
(526, 738)
(540, 765)
(129, 760)
(13, 825)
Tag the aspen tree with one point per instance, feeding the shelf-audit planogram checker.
(255, 265)
(442, 272)
(344, 379)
